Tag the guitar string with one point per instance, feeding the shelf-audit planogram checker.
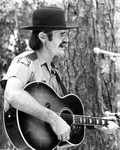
(88, 120)
(82, 116)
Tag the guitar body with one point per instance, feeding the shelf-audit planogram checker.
(26, 131)
(12, 130)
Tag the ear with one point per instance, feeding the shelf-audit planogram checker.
(42, 36)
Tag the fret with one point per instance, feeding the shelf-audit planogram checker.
(97, 121)
(103, 122)
(80, 120)
(90, 120)
(86, 120)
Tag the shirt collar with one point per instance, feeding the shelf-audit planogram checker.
(43, 61)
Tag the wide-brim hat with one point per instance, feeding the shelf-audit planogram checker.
(52, 18)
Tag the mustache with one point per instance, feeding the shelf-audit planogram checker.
(63, 44)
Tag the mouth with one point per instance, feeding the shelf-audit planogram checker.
(63, 45)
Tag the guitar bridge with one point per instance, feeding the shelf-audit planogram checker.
(76, 129)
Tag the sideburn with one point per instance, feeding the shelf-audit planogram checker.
(49, 36)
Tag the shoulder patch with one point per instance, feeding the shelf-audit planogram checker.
(24, 60)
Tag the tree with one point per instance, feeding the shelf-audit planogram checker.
(93, 78)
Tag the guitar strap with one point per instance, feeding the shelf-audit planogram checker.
(54, 71)
(64, 90)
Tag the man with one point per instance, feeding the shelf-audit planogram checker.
(48, 39)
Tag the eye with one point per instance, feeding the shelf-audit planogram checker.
(63, 33)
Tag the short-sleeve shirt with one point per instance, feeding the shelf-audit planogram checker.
(28, 68)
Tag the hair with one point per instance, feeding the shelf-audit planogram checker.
(35, 43)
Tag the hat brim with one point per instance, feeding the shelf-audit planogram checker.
(43, 27)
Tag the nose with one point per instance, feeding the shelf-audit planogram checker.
(66, 38)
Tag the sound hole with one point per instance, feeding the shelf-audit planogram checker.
(67, 116)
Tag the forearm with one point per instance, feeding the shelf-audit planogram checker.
(23, 101)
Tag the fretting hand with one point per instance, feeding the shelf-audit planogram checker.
(112, 125)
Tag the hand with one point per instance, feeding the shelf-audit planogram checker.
(61, 128)
(112, 125)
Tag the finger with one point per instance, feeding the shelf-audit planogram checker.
(112, 118)
(103, 128)
(106, 129)
(112, 125)
(64, 138)
(107, 113)
(68, 136)
(59, 137)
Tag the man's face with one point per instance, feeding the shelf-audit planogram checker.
(58, 43)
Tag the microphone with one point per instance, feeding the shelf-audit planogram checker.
(112, 54)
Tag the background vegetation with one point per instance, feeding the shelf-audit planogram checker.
(95, 79)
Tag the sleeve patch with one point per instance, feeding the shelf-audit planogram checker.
(24, 60)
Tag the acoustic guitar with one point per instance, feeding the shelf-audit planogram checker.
(27, 132)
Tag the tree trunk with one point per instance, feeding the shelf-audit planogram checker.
(91, 77)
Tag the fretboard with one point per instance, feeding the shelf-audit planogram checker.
(86, 120)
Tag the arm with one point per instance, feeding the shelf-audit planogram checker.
(21, 100)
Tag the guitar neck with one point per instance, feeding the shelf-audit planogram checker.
(86, 120)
